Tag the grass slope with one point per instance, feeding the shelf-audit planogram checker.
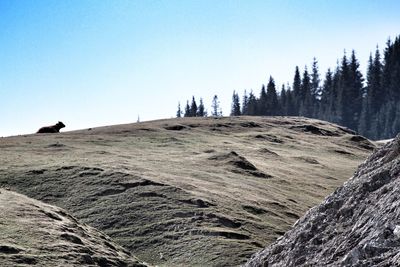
(34, 233)
(191, 191)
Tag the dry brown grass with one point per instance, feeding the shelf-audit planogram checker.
(191, 191)
(34, 233)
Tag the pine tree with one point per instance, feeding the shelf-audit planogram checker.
(290, 103)
(283, 101)
(386, 73)
(263, 103)
(201, 110)
(296, 90)
(355, 92)
(179, 112)
(235, 111)
(344, 100)
(326, 95)
(315, 89)
(364, 121)
(333, 108)
(187, 110)
(305, 95)
(391, 71)
(252, 105)
(245, 104)
(388, 113)
(374, 83)
(193, 108)
(272, 99)
(215, 107)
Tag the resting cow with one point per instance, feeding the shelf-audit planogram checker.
(52, 129)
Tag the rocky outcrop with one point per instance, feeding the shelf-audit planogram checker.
(357, 225)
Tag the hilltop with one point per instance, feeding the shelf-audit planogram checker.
(189, 191)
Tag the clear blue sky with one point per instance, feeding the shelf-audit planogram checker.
(93, 63)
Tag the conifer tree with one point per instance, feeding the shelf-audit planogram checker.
(201, 109)
(263, 108)
(296, 90)
(344, 100)
(245, 103)
(283, 101)
(235, 110)
(315, 89)
(386, 73)
(215, 107)
(272, 99)
(326, 95)
(290, 103)
(179, 112)
(193, 108)
(305, 96)
(387, 116)
(333, 108)
(370, 68)
(391, 71)
(252, 105)
(187, 110)
(364, 121)
(374, 83)
(355, 92)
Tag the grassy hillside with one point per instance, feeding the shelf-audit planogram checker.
(198, 191)
(34, 233)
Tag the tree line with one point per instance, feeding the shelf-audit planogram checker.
(194, 110)
(369, 105)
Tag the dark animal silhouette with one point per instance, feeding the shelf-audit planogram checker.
(52, 129)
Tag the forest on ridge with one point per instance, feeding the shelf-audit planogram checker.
(368, 104)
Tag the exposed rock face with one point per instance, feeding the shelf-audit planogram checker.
(357, 225)
(34, 233)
